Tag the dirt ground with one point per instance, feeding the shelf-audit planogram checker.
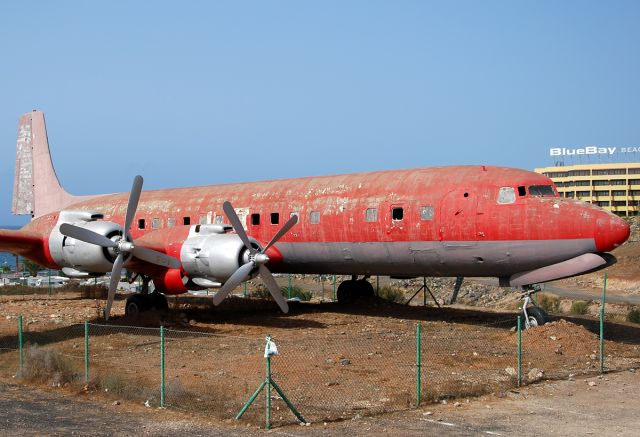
(337, 364)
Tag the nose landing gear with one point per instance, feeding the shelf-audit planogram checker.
(533, 315)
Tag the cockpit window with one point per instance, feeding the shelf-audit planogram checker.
(506, 195)
(541, 190)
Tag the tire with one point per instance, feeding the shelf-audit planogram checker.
(135, 305)
(347, 292)
(537, 316)
(159, 301)
(365, 289)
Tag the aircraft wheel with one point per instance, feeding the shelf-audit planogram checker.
(347, 292)
(159, 301)
(537, 316)
(365, 289)
(135, 305)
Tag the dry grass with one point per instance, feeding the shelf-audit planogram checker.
(43, 364)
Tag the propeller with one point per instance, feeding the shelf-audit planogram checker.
(257, 258)
(121, 246)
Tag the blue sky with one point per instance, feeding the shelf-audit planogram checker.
(193, 93)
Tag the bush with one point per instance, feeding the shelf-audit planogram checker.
(579, 307)
(44, 364)
(634, 316)
(391, 294)
(551, 305)
(263, 292)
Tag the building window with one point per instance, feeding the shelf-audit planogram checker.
(314, 217)
(583, 193)
(609, 171)
(155, 223)
(506, 195)
(570, 194)
(426, 213)
(618, 192)
(371, 215)
(600, 183)
(634, 181)
(619, 203)
(141, 224)
(275, 218)
(171, 222)
(579, 173)
(634, 193)
(397, 213)
(255, 219)
(601, 192)
(602, 203)
(582, 183)
(618, 182)
(634, 171)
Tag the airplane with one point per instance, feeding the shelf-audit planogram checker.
(471, 221)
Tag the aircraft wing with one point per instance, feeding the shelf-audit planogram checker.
(20, 242)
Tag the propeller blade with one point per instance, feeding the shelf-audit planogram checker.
(240, 275)
(132, 206)
(283, 230)
(237, 226)
(85, 235)
(155, 257)
(274, 288)
(116, 272)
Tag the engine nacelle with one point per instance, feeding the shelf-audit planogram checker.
(211, 253)
(81, 256)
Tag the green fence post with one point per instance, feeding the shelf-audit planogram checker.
(334, 288)
(86, 352)
(519, 352)
(268, 393)
(245, 288)
(161, 366)
(20, 338)
(289, 287)
(604, 292)
(418, 364)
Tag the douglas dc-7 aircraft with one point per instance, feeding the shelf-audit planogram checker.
(478, 221)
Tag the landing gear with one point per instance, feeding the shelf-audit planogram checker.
(145, 301)
(351, 290)
(533, 315)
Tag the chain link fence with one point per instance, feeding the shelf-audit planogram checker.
(363, 371)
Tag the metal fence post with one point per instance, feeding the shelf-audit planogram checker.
(604, 291)
(20, 338)
(519, 352)
(86, 352)
(334, 288)
(161, 366)
(268, 393)
(418, 364)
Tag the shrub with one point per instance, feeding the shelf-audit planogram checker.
(634, 315)
(551, 305)
(391, 294)
(579, 307)
(44, 364)
(262, 292)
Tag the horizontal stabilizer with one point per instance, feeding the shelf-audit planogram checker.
(20, 242)
(575, 266)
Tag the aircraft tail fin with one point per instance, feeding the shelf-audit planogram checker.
(36, 188)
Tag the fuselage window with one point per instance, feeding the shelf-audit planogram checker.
(397, 213)
(255, 219)
(171, 222)
(155, 223)
(522, 191)
(186, 221)
(219, 220)
(506, 195)
(541, 190)
(141, 224)
(275, 218)
(314, 217)
(203, 219)
(371, 215)
(426, 213)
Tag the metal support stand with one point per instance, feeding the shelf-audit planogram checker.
(456, 289)
(424, 288)
(268, 383)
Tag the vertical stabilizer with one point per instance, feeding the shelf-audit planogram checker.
(36, 189)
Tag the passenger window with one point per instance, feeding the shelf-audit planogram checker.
(371, 215)
(141, 224)
(397, 213)
(426, 213)
(522, 191)
(255, 219)
(275, 218)
(155, 223)
(219, 220)
(203, 219)
(186, 221)
(506, 195)
(314, 217)
(171, 222)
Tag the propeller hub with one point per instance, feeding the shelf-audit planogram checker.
(260, 258)
(125, 246)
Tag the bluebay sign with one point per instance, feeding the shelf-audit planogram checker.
(592, 150)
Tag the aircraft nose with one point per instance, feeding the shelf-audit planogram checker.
(610, 232)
